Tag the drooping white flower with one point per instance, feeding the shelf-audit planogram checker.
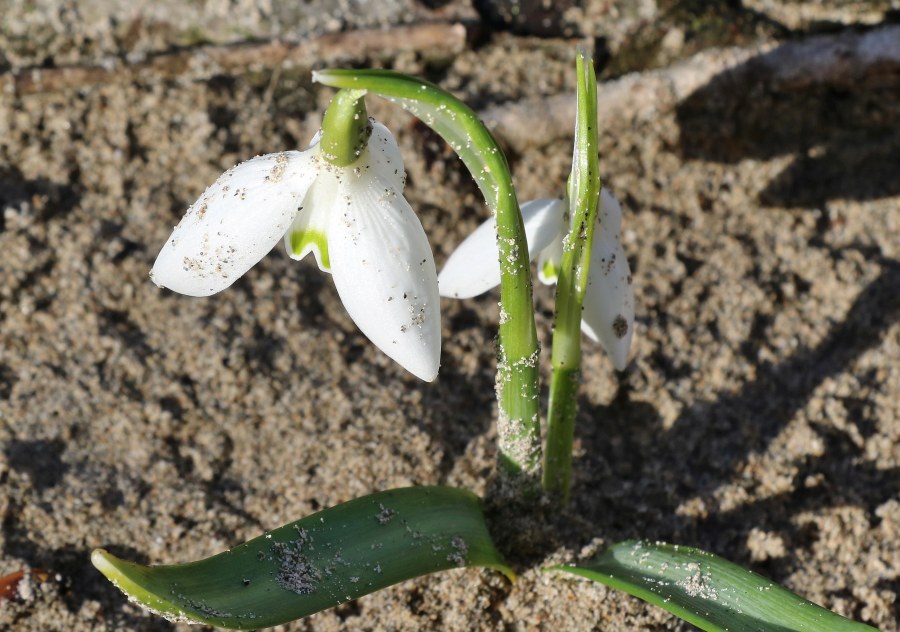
(353, 219)
(608, 314)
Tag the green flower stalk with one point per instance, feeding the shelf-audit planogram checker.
(594, 293)
(517, 370)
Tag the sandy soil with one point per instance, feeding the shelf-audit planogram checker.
(758, 418)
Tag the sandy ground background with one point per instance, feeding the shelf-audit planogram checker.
(758, 418)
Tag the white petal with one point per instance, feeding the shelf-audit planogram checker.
(384, 156)
(545, 221)
(608, 315)
(609, 214)
(474, 267)
(308, 231)
(384, 272)
(234, 223)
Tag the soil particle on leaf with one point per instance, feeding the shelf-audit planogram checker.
(296, 572)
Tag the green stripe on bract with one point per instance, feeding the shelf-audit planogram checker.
(707, 591)
(304, 241)
(316, 563)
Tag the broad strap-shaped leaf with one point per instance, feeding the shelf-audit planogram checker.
(706, 590)
(316, 563)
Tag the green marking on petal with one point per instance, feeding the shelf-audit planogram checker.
(549, 271)
(305, 241)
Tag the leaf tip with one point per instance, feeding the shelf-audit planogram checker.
(104, 562)
(331, 78)
(507, 572)
(129, 578)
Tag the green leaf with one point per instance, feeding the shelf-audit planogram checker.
(706, 590)
(519, 433)
(584, 194)
(316, 563)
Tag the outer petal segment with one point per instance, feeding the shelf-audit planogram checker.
(234, 223)
(608, 315)
(384, 271)
(474, 267)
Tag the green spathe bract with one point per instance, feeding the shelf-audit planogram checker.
(706, 590)
(517, 370)
(316, 563)
(345, 128)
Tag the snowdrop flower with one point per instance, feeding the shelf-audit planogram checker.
(608, 315)
(352, 217)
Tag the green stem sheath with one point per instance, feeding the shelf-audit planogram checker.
(517, 370)
(584, 195)
(345, 128)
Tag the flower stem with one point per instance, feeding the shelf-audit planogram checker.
(345, 128)
(584, 194)
(517, 369)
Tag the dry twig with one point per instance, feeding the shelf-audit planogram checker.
(438, 39)
(851, 60)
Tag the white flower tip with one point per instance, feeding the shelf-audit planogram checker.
(410, 336)
(415, 344)
(618, 351)
(615, 338)
(425, 368)
(185, 276)
(608, 315)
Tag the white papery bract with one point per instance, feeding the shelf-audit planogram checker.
(608, 314)
(353, 219)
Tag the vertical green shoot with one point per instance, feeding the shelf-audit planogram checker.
(584, 195)
(517, 370)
